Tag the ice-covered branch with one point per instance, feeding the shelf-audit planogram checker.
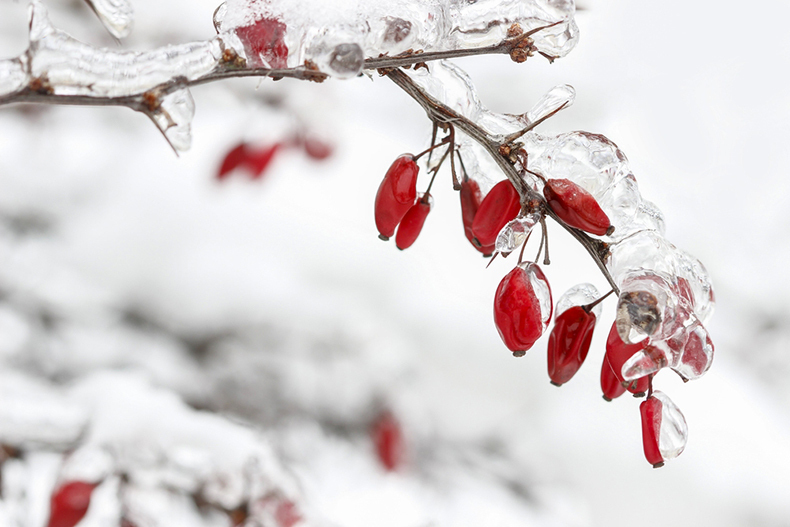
(253, 41)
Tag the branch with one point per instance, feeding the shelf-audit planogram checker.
(440, 113)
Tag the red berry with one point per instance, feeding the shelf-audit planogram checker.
(259, 160)
(501, 204)
(617, 353)
(411, 224)
(610, 384)
(233, 159)
(264, 43)
(471, 197)
(569, 343)
(650, 409)
(575, 206)
(69, 503)
(519, 315)
(317, 149)
(388, 441)
(396, 195)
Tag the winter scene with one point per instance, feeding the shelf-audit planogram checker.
(438, 263)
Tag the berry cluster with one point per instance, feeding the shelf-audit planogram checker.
(664, 294)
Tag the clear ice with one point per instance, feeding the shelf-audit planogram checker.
(673, 430)
(515, 233)
(579, 295)
(317, 30)
(116, 15)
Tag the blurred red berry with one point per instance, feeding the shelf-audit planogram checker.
(233, 159)
(69, 503)
(258, 160)
(317, 149)
(388, 440)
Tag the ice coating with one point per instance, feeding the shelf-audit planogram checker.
(579, 295)
(542, 291)
(116, 15)
(561, 96)
(174, 116)
(515, 233)
(13, 76)
(673, 430)
(318, 31)
(70, 67)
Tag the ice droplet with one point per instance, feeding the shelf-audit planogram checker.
(561, 96)
(643, 362)
(699, 282)
(116, 15)
(515, 233)
(673, 430)
(13, 76)
(174, 116)
(579, 295)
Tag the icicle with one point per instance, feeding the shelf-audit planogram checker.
(116, 15)
(174, 116)
(561, 96)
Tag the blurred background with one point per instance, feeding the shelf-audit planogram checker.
(211, 352)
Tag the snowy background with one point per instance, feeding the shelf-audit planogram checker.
(174, 328)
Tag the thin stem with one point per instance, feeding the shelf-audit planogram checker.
(589, 307)
(512, 137)
(546, 260)
(433, 140)
(437, 145)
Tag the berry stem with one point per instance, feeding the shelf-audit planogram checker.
(591, 305)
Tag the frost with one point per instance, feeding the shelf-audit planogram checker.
(116, 15)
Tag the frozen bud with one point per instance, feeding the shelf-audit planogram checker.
(515, 233)
(579, 295)
(664, 429)
(638, 316)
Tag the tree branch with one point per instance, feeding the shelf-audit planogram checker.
(440, 113)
